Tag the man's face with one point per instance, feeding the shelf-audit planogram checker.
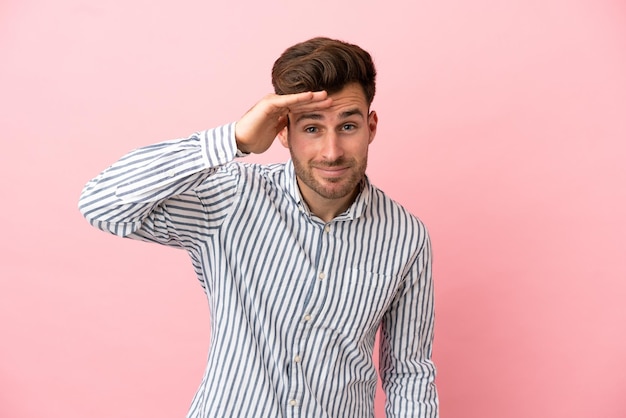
(329, 147)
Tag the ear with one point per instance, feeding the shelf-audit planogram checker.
(282, 136)
(372, 123)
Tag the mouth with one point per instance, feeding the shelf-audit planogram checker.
(331, 172)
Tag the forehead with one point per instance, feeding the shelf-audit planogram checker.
(348, 102)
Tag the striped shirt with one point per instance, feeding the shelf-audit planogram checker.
(295, 302)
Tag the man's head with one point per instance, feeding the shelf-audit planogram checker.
(328, 146)
(324, 64)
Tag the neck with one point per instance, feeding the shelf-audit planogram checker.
(324, 208)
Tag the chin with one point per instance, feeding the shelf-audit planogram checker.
(335, 192)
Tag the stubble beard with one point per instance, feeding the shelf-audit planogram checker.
(305, 174)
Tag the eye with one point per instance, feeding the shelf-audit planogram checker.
(348, 127)
(310, 129)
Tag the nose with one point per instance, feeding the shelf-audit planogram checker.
(332, 149)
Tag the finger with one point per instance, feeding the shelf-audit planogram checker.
(304, 107)
(288, 100)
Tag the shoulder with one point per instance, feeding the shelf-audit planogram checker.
(272, 173)
(388, 207)
(251, 177)
(396, 217)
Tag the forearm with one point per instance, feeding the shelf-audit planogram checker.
(407, 370)
(411, 391)
(122, 196)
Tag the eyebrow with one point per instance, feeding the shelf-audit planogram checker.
(318, 116)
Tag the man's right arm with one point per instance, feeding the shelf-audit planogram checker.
(128, 198)
(121, 199)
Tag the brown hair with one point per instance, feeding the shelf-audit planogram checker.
(324, 64)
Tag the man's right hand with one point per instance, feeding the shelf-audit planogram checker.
(257, 129)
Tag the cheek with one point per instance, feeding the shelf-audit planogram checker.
(362, 149)
(299, 149)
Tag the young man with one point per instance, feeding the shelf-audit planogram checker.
(301, 262)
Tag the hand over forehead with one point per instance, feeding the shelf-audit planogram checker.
(304, 102)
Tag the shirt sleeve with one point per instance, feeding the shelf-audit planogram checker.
(406, 367)
(152, 192)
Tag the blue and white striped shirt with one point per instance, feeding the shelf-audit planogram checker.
(295, 302)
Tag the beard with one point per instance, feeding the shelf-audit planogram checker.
(331, 187)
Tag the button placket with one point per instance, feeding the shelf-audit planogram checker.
(297, 382)
(294, 399)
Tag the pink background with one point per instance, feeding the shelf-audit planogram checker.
(502, 125)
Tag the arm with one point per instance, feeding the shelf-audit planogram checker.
(151, 193)
(148, 192)
(406, 368)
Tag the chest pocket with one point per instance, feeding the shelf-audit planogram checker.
(355, 303)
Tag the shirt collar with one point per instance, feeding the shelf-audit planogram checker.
(353, 212)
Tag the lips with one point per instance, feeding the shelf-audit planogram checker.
(331, 171)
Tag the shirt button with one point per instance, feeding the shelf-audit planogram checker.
(297, 359)
(327, 228)
(307, 317)
(293, 402)
(322, 276)
(171, 173)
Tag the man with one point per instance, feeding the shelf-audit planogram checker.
(302, 262)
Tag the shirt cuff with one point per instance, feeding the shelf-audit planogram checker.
(219, 145)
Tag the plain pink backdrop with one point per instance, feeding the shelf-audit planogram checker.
(502, 126)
